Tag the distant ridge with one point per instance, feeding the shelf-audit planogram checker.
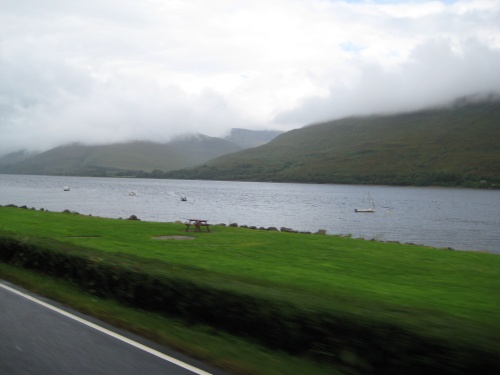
(132, 158)
(251, 138)
(136, 158)
(16, 157)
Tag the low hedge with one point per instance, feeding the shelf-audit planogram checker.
(359, 345)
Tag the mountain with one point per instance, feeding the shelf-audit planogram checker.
(246, 138)
(16, 157)
(458, 145)
(132, 158)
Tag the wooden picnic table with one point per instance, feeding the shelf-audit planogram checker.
(198, 225)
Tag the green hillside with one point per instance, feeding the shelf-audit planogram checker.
(251, 138)
(454, 146)
(132, 158)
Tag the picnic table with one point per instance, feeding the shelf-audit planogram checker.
(198, 224)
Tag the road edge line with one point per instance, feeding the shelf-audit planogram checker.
(108, 332)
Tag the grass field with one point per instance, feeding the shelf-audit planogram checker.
(433, 293)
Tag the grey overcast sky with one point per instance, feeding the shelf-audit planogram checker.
(102, 71)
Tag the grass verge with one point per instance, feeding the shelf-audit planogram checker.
(227, 352)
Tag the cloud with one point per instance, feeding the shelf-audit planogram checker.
(433, 75)
(109, 71)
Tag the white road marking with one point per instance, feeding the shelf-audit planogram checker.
(110, 333)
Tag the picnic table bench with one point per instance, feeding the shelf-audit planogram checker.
(198, 224)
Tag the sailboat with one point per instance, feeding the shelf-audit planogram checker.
(371, 207)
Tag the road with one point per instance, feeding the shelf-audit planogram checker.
(38, 336)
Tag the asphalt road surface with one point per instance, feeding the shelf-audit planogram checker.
(40, 337)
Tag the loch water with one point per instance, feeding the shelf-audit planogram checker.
(461, 219)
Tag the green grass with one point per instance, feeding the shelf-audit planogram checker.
(450, 295)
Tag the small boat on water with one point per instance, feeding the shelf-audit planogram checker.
(370, 208)
(131, 193)
(66, 188)
(364, 210)
(183, 199)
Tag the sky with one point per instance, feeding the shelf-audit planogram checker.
(104, 71)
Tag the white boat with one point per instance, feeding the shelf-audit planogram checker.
(66, 188)
(371, 205)
(364, 210)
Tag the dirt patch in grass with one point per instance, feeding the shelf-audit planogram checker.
(82, 236)
(179, 238)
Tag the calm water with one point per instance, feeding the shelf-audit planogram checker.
(462, 219)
